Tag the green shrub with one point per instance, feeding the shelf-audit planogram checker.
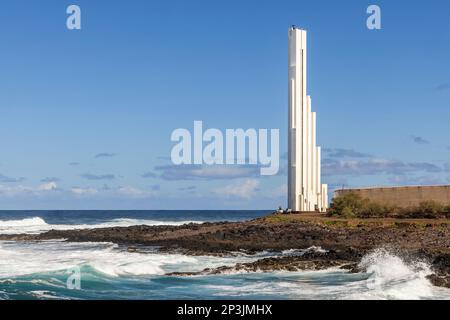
(374, 210)
(431, 207)
(346, 205)
(427, 210)
(446, 211)
(352, 205)
(347, 212)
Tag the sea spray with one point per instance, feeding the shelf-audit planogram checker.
(392, 277)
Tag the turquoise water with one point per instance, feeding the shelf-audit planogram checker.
(46, 270)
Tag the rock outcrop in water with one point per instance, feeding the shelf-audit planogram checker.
(310, 260)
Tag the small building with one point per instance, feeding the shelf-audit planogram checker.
(402, 197)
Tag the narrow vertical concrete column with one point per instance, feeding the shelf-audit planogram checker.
(314, 161)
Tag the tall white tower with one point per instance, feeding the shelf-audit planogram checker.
(306, 193)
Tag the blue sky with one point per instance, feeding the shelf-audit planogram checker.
(87, 115)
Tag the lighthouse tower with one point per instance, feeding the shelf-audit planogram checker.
(306, 193)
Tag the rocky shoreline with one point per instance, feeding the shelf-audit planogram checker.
(309, 260)
(344, 244)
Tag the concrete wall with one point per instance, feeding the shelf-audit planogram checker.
(403, 196)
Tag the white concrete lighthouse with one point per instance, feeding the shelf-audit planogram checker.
(306, 193)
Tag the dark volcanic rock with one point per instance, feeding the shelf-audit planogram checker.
(289, 263)
(440, 280)
(441, 263)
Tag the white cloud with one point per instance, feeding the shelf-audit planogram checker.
(84, 191)
(215, 172)
(12, 191)
(245, 189)
(420, 180)
(134, 192)
(124, 191)
(333, 167)
(49, 186)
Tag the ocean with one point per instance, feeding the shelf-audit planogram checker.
(64, 270)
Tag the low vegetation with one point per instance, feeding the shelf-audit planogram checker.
(351, 205)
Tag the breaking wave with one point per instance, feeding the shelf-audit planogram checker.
(393, 277)
(27, 258)
(37, 225)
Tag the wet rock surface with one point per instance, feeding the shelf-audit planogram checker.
(311, 260)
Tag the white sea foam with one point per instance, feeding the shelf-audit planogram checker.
(40, 294)
(37, 225)
(26, 258)
(297, 252)
(393, 277)
(387, 276)
(30, 258)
